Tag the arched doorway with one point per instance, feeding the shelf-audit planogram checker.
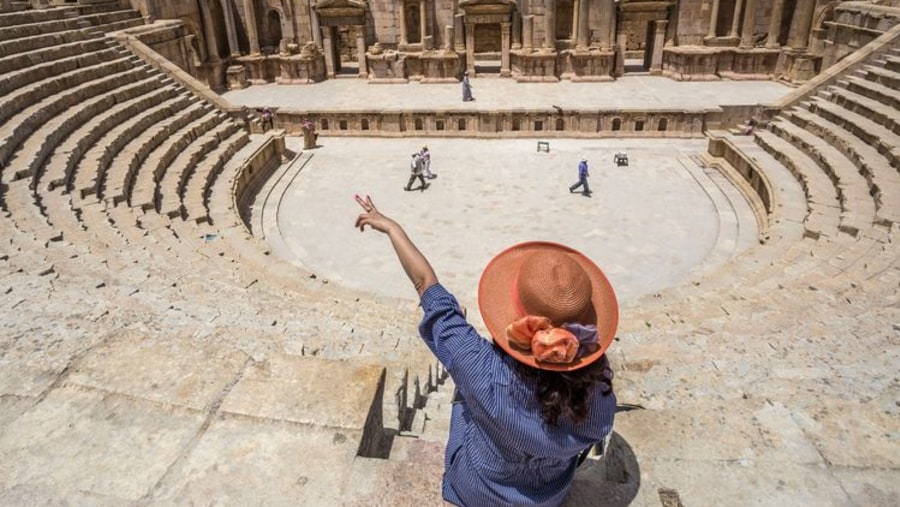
(270, 32)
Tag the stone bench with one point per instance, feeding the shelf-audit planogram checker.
(19, 61)
(89, 175)
(822, 199)
(36, 16)
(26, 44)
(886, 142)
(124, 168)
(35, 150)
(19, 100)
(144, 191)
(170, 190)
(21, 78)
(196, 191)
(883, 181)
(880, 75)
(67, 156)
(872, 90)
(876, 111)
(39, 28)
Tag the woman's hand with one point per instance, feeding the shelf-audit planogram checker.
(372, 217)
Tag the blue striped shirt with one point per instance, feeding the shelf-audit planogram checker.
(500, 452)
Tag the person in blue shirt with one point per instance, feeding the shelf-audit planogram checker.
(582, 179)
(531, 403)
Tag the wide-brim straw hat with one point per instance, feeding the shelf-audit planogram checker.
(548, 280)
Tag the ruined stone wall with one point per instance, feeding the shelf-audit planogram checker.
(693, 21)
(385, 22)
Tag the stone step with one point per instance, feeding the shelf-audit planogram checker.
(18, 79)
(886, 142)
(98, 64)
(823, 203)
(170, 190)
(876, 111)
(26, 44)
(93, 110)
(38, 28)
(19, 61)
(143, 193)
(8, 19)
(853, 186)
(61, 165)
(195, 198)
(892, 63)
(105, 77)
(874, 91)
(90, 174)
(880, 75)
(883, 182)
(125, 167)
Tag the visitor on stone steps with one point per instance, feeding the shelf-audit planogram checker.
(530, 403)
(415, 169)
(582, 179)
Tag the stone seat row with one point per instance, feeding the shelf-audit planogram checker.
(102, 64)
(83, 47)
(110, 76)
(29, 16)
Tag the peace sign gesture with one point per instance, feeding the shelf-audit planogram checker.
(372, 217)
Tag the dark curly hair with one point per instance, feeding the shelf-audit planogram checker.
(567, 394)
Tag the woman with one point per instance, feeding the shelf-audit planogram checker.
(531, 403)
(467, 88)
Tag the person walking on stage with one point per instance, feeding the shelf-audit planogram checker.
(467, 88)
(582, 179)
(426, 163)
(415, 169)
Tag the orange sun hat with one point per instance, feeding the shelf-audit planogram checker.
(537, 281)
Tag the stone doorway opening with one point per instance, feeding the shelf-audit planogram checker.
(488, 49)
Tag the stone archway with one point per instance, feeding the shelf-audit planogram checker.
(270, 32)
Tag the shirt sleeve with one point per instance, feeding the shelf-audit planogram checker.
(467, 356)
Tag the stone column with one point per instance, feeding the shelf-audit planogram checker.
(316, 27)
(516, 31)
(361, 50)
(798, 37)
(735, 20)
(659, 41)
(423, 32)
(250, 19)
(209, 33)
(404, 38)
(470, 47)
(584, 25)
(504, 49)
(448, 38)
(749, 24)
(608, 15)
(622, 43)
(713, 19)
(458, 42)
(528, 32)
(550, 25)
(328, 48)
(233, 45)
(775, 25)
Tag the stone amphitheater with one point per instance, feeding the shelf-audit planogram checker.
(154, 351)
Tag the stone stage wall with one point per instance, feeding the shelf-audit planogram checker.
(516, 123)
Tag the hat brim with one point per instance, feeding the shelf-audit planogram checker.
(498, 309)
